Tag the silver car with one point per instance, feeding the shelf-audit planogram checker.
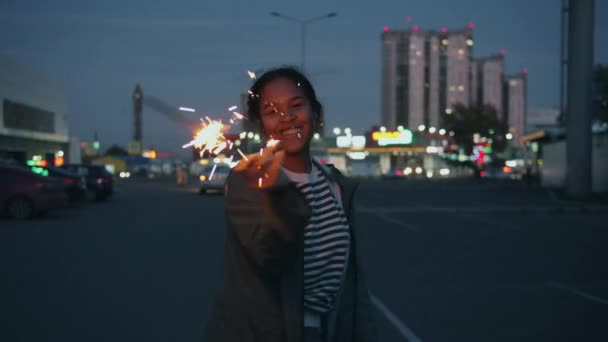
(213, 180)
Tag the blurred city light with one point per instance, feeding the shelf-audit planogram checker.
(337, 131)
(382, 129)
(421, 128)
(317, 136)
(442, 131)
(509, 136)
(347, 131)
(432, 130)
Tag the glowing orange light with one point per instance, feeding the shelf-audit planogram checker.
(59, 161)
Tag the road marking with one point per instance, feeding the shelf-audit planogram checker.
(389, 219)
(577, 292)
(406, 332)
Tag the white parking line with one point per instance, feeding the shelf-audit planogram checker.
(384, 216)
(577, 292)
(406, 332)
(391, 220)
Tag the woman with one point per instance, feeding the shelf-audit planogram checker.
(292, 272)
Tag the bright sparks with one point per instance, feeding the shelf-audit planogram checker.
(210, 137)
(242, 154)
(186, 109)
(251, 74)
(232, 108)
(271, 142)
(238, 115)
(212, 171)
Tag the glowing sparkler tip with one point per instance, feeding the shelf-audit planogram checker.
(271, 142)
(299, 136)
(260, 182)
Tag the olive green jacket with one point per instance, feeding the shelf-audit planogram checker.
(261, 298)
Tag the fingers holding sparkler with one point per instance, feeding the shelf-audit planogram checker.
(262, 169)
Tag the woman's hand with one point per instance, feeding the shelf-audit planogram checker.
(262, 170)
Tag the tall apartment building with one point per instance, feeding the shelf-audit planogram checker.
(424, 73)
(489, 80)
(516, 104)
(455, 68)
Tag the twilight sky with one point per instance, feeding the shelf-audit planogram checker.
(196, 53)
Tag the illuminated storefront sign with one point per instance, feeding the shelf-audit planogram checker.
(404, 137)
(354, 141)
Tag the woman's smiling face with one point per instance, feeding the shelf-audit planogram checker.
(286, 115)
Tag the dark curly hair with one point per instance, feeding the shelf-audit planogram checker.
(290, 73)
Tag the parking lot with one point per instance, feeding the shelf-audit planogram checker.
(445, 261)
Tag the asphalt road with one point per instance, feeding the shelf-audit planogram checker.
(446, 261)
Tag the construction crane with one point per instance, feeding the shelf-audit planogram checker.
(158, 105)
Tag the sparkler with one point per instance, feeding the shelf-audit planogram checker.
(251, 74)
(232, 108)
(210, 137)
(271, 142)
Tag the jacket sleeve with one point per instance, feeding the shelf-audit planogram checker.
(263, 222)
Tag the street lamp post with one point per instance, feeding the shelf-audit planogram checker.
(303, 23)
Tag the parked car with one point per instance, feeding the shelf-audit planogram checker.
(99, 180)
(76, 186)
(24, 194)
(213, 180)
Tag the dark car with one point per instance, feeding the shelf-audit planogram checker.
(76, 186)
(213, 179)
(99, 180)
(24, 194)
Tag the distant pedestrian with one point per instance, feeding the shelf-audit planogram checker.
(292, 269)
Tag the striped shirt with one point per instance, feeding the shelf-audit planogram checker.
(326, 241)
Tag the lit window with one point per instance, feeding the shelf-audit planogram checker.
(470, 42)
(444, 42)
